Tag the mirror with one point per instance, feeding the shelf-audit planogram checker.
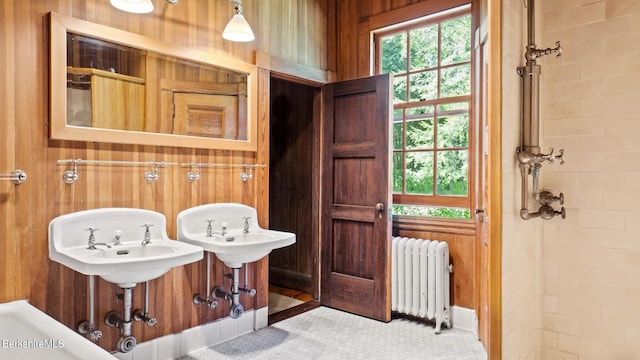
(108, 85)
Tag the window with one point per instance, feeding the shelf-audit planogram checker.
(430, 62)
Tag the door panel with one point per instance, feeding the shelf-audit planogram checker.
(356, 235)
(206, 115)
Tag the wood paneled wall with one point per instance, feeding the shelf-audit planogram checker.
(321, 34)
(25, 210)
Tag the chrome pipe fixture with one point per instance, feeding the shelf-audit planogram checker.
(528, 153)
(245, 288)
(17, 177)
(89, 327)
(143, 315)
(127, 340)
(199, 299)
(235, 307)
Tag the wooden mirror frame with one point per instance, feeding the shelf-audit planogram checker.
(60, 24)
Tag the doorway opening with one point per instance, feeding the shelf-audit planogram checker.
(293, 196)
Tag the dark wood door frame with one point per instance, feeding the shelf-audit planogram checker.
(275, 67)
(315, 176)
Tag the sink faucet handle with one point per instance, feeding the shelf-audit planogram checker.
(91, 231)
(146, 226)
(209, 227)
(147, 233)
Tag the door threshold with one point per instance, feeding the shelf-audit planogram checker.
(291, 312)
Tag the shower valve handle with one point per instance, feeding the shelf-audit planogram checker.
(552, 158)
(560, 156)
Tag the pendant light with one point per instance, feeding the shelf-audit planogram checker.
(133, 6)
(238, 28)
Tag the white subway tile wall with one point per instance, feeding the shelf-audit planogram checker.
(588, 265)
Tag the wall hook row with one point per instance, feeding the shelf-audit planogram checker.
(244, 176)
(16, 176)
(71, 176)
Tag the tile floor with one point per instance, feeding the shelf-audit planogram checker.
(325, 333)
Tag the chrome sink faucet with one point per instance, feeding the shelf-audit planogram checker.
(147, 234)
(92, 239)
(245, 228)
(209, 227)
(210, 231)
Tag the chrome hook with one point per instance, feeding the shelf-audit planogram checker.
(152, 176)
(71, 176)
(191, 176)
(16, 176)
(244, 176)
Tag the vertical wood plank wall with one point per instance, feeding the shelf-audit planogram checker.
(323, 34)
(25, 210)
(349, 55)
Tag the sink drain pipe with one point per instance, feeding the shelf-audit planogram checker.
(236, 309)
(127, 341)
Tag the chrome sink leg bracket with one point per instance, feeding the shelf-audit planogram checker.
(89, 327)
(143, 316)
(199, 299)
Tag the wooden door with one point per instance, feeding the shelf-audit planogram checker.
(206, 115)
(356, 193)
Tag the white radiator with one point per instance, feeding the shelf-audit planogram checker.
(420, 272)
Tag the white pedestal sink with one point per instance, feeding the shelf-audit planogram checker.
(125, 264)
(235, 247)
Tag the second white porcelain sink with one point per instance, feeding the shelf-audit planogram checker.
(235, 247)
(128, 263)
